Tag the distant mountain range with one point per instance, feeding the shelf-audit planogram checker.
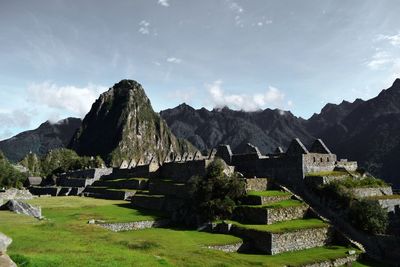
(366, 131)
(39, 141)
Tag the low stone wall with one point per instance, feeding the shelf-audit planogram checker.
(75, 182)
(125, 184)
(227, 248)
(259, 215)
(256, 184)
(106, 193)
(345, 261)
(129, 226)
(362, 192)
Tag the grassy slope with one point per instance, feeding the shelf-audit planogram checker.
(65, 239)
(280, 204)
(269, 193)
(286, 226)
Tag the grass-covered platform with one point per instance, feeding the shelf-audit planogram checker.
(65, 239)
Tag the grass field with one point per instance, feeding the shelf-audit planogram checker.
(280, 204)
(65, 239)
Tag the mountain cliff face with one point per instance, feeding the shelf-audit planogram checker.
(122, 125)
(39, 141)
(266, 129)
(370, 134)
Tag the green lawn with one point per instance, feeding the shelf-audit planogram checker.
(280, 204)
(65, 239)
(286, 226)
(269, 193)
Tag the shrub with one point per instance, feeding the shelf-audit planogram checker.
(9, 175)
(369, 216)
(215, 195)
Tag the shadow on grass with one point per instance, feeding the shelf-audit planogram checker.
(143, 212)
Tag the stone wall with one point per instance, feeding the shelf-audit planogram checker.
(95, 173)
(129, 226)
(168, 188)
(321, 180)
(182, 171)
(391, 204)
(260, 215)
(41, 191)
(274, 243)
(299, 240)
(351, 166)
(314, 162)
(256, 184)
(362, 192)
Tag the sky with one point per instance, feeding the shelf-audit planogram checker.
(58, 56)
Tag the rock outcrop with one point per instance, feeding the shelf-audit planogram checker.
(22, 208)
(5, 260)
(122, 125)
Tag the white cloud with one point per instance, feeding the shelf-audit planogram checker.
(174, 60)
(163, 3)
(272, 97)
(15, 118)
(237, 10)
(393, 39)
(380, 60)
(144, 27)
(75, 100)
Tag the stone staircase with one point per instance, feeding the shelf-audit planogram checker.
(272, 221)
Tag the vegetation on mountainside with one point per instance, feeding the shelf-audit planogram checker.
(66, 239)
(214, 196)
(364, 214)
(59, 161)
(9, 175)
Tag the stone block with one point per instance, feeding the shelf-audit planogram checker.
(256, 184)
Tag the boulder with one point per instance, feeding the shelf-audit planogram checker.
(23, 208)
(5, 260)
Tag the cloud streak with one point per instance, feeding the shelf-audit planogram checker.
(164, 3)
(272, 97)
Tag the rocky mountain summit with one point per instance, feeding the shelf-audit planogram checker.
(39, 141)
(122, 125)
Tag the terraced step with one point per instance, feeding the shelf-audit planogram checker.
(281, 237)
(265, 197)
(75, 182)
(256, 184)
(44, 190)
(168, 187)
(284, 210)
(127, 183)
(109, 193)
(148, 201)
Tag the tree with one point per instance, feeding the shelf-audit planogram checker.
(216, 195)
(9, 175)
(369, 216)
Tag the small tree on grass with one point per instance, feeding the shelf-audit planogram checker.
(369, 216)
(215, 195)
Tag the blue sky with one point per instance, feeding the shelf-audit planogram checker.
(57, 56)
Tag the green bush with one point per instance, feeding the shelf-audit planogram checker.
(9, 175)
(215, 195)
(369, 216)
